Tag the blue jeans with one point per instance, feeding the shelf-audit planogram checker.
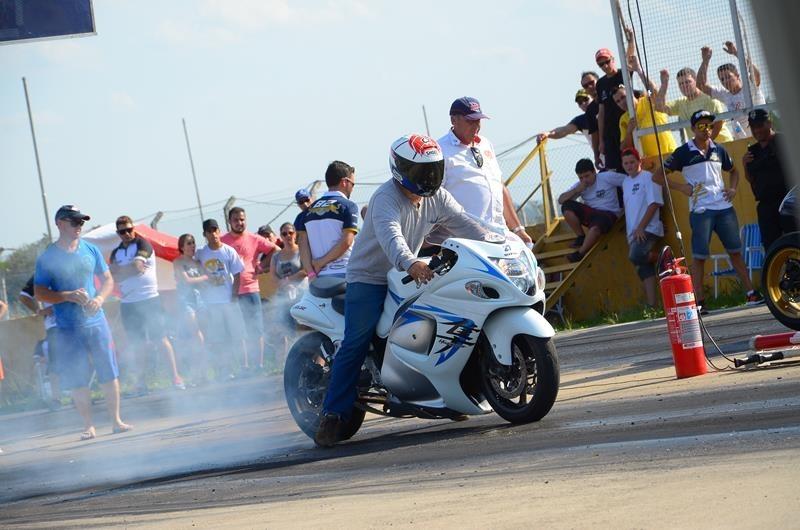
(362, 310)
(82, 350)
(723, 222)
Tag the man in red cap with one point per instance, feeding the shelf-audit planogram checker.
(609, 113)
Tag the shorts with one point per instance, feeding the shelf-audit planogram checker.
(143, 321)
(75, 348)
(223, 322)
(639, 253)
(723, 222)
(250, 305)
(589, 216)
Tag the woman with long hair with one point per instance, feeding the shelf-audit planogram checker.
(189, 278)
(287, 270)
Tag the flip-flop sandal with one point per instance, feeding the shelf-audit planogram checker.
(88, 434)
(120, 429)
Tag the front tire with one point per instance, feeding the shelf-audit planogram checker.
(525, 391)
(306, 376)
(781, 280)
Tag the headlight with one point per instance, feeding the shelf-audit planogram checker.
(520, 271)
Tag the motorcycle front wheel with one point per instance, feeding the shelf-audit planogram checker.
(306, 376)
(780, 279)
(525, 391)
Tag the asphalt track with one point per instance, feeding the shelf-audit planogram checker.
(625, 446)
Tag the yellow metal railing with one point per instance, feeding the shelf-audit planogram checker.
(544, 184)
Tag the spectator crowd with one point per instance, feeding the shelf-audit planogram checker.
(615, 182)
(221, 318)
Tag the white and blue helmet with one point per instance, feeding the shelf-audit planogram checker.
(417, 163)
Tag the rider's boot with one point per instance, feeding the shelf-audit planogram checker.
(328, 431)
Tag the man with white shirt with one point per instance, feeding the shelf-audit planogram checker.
(731, 93)
(133, 265)
(701, 162)
(223, 325)
(472, 174)
(45, 310)
(598, 211)
(327, 231)
(643, 199)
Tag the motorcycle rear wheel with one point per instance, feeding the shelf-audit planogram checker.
(525, 391)
(306, 376)
(781, 280)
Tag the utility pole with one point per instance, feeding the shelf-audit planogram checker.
(194, 175)
(38, 164)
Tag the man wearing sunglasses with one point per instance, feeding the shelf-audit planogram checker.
(472, 174)
(133, 265)
(65, 277)
(701, 161)
(585, 122)
(327, 231)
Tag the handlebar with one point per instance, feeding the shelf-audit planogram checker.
(436, 264)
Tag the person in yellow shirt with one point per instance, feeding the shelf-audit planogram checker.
(693, 101)
(643, 120)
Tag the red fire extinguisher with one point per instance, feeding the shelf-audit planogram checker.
(683, 321)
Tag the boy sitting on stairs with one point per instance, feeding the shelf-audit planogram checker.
(598, 211)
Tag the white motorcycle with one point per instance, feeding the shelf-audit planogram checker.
(471, 341)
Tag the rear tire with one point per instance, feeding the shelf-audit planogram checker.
(525, 391)
(306, 376)
(781, 280)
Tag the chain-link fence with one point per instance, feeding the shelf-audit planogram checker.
(670, 35)
(561, 158)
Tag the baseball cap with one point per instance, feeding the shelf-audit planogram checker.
(603, 53)
(70, 211)
(631, 151)
(702, 115)
(582, 94)
(302, 195)
(468, 107)
(757, 116)
(210, 225)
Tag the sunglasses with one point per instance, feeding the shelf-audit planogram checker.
(76, 222)
(122, 231)
(704, 126)
(476, 154)
(351, 181)
(284, 234)
(603, 63)
(589, 83)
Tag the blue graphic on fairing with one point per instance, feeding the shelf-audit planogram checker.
(489, 268)
(397, 299)
(456, 338)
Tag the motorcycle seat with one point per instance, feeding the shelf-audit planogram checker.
(327, 286)
(337, 303)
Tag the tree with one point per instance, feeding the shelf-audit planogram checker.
(17, 268)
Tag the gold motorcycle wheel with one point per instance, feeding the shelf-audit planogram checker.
(781, 280)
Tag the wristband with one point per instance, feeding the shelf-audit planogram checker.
(311, 275)
(518, 229)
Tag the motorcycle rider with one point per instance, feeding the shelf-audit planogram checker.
(400, 214)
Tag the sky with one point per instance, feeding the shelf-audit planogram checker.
(272, 91)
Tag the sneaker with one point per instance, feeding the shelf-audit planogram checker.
(328, 431)
(575, 257)
(578, 243)
(178, 384)
(701, 307)
(754, 298)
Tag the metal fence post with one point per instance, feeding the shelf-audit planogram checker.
(742, 54)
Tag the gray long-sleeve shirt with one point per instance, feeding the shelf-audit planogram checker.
(395, 228)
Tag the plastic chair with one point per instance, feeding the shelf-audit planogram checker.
(752, 253)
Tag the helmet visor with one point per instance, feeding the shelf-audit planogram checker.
(427, 176)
